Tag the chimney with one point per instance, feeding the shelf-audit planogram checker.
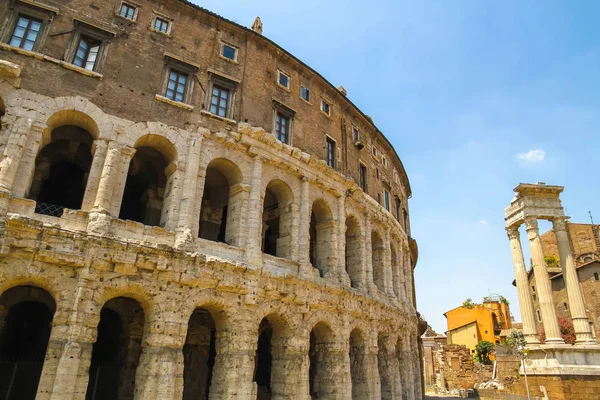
(342, 90)
(257, 26)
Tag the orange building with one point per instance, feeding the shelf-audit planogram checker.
(468, 325)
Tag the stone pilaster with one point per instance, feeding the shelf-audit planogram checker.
(304, 223)
(387, 264)
(408, 281)
(542, 281)
(186, 221)
(341, 241)
(372, 368)
(416, 360)
(17, 138)
(37, 135)
(254, 221)
(198, 203)
(581, 323)
(368, 259)
(288, 356)
(160, 373)
(99, 150)
(522, 282)
(408, 366)
(170, 209)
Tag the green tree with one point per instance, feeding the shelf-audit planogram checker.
(468, 303)
(483, 351)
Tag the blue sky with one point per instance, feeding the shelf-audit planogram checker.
(476, 96)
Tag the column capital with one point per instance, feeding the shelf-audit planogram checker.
(128, 151)
(559, 224)
(531, 223)
(99, 144)
(513, 232)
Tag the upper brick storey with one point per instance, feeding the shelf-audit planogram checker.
(131, 74)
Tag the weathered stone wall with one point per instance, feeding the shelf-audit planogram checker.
(88, 260)
(459, 369)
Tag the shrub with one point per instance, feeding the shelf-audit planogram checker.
(483, 351)
(567, 331)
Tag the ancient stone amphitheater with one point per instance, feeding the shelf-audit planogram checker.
(188, 211)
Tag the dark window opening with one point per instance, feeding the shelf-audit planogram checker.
(61, 171)
(377, 258)
(229, 52)
(398, 208)
(199, 354)
(320, 357)
(284, 80)
(282, 127)
(87, 53)
(325, 107)
(363, 177)
(264, 361)
(305, 93)
(26, 32)
(330, 146)
(353, 251)
(24, 335)
(145, 188)
(386, 199)
(596, 276)
(566, 306)
(116, 353)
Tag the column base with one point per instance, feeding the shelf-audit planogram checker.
(184, 239)
(99, 222)
(563, 359)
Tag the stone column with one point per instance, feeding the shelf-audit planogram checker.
(372, 368)
(234, 364)
(254, 221)
(341, 240)
(197, 209)
(522, 282)
(99, 149)
(368, 261)
(121, 170)
(304, 224)
(13, 151)
(542, 281)
(387, 264)
(159, 374)
(186, 220)
(288, 356)
(581, 323)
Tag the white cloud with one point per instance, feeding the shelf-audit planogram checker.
(483, 222)
(532, 156)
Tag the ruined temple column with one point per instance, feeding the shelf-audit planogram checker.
(304, 223)
(234, 364)
(99, 149)
(186, 220)
(522, 282)
(542, 281)
(254, 221)
(581, 323)
(13, 150)
(387, 263)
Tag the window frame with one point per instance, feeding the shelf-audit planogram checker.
(90, 43)
(24, 39)
(384, 161)
(104, 37)
(287, 112)
(323, 103)
(281, 73)
(308, 100)
(40, 12)
(215, 79)
(386, 200)
(130, 4)
(235, 52)
(331, 162)
(363, 176)
(160, 16)
(355, 134)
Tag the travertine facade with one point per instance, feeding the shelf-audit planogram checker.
(154, 249)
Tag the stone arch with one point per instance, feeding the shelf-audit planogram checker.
(321, 235)
(200, 348)
(63, 163)
(354, 251)
(222, 202)
(277, 219)
(117, 350)
(26, 314)
(359, 369)
(270, 372)
(322, 360)
(147, 197)
(378, 259)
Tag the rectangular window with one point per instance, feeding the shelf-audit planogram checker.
(363, 177)
(282, 127)
(355, 134)
(219, 101)
(283, 79)
(386, 199)
(127, 11)
(176, 87)
(377, 173)
(384, 161)
(305, 93)
(375, 152)
(325, 107)
(161, 25)
(398, 208)
(87, 53)
(229, 52)
(26, 32)
(330, 152)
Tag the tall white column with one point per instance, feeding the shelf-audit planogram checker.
(99, 149)
(104, 196)
(522, 282)
(186, 221)
(581, 323)
(542, 281)
(254, 222)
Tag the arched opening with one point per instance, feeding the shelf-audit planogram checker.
(25, 321)
(61, 171)
(353, 251)
(385, 369)
(116, 353)
(264, 361)
(321, 236)
(144, 195)
(358, 366)
(321, 362)
(378, 257)
(220, 214)
(395, 270)
(199, 354)
(277, 219)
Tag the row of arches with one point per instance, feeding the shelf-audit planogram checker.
(26, 314)
(64, 163)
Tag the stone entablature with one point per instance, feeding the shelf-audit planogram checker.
(353, 319)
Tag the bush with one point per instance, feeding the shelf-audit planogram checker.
(552, 260)
(567, 331)
(484, 350)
